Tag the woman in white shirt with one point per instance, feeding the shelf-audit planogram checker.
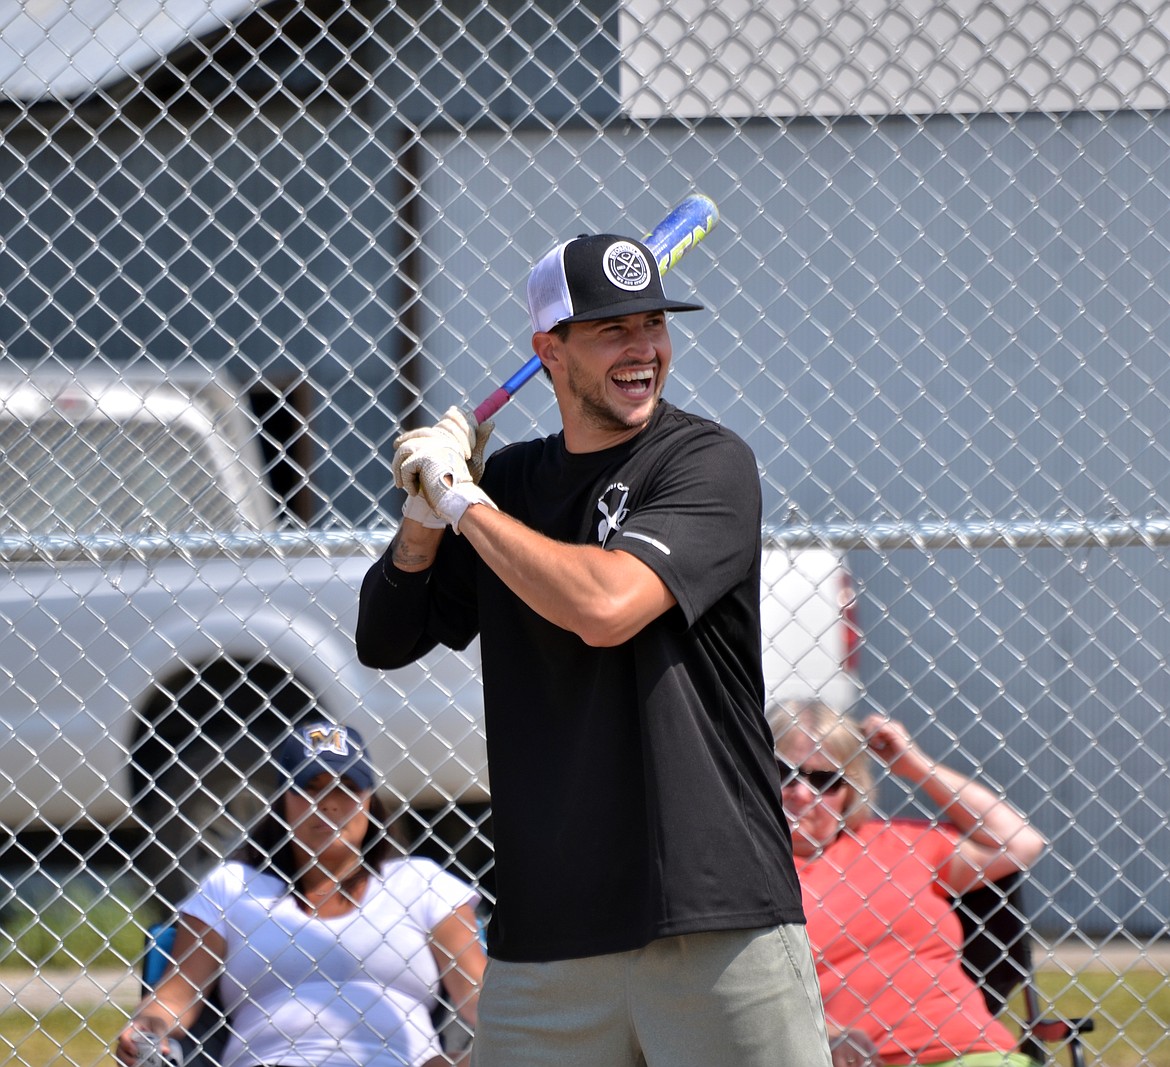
(328, 946)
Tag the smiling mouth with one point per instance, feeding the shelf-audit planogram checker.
(635, 381)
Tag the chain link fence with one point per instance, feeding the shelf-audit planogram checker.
(243, 246)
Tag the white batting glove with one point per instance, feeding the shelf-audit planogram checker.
(454, 502)
(440, 466)
(442, 480)
(457, 499)
(457, 431)
(417, 508)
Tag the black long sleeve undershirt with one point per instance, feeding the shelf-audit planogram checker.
(392, 616)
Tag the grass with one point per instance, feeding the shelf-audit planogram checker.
(81, 927)
(62, 1038)
(1131, 1011)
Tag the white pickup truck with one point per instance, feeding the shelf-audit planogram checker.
(159, 631)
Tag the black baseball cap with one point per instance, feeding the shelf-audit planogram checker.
(596, 276)
(325, 748)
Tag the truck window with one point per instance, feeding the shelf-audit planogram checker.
(95, 475)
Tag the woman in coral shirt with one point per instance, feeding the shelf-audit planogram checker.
(878, 893)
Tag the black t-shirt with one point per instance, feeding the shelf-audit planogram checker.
(634, 792)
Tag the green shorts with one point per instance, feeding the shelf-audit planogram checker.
(744, 998)
(987, 1059)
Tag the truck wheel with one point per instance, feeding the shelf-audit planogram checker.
(204, 771)
(201, 808)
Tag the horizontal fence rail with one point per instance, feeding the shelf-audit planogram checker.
(879, 537)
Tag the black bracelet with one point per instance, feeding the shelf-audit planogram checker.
(400, 579)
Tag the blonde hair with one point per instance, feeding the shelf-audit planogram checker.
(840, 738)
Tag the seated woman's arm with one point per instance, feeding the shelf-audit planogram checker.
(461, 960)
(852, 1048)
(996, 839)
(176, 1002)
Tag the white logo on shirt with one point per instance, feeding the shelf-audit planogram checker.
(611, 506)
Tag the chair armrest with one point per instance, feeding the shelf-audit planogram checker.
(1060, 1029)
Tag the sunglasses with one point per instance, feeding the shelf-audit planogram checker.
(818, 781)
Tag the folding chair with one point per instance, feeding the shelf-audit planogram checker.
(997, 954)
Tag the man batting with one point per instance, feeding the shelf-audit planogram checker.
(648, 910)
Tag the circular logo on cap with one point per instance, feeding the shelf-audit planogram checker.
(625, 266)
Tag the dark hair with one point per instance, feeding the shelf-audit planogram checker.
(561, 332)
(270, 846)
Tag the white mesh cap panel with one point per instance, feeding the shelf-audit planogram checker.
(549, 301)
